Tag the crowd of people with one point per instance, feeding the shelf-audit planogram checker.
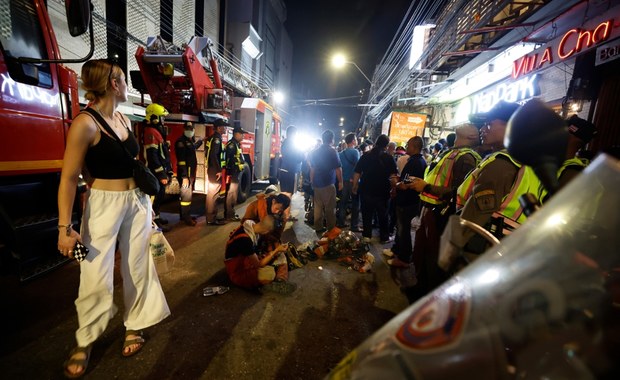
(469, 173)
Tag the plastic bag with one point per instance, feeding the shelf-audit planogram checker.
(162, 252)
(174, 186)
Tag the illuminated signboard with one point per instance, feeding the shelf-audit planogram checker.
(516, 92)
(406, 125)
(608, 52)
(571, 43)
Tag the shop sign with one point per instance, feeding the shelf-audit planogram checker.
(608, 52)
(404, 126)
(572, 42)
(517, 91)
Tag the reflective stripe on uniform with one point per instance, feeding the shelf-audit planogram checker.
(580, 162)
(526, 181)
(441, 175)
(208, 152)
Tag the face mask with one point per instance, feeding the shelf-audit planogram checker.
(188, 134)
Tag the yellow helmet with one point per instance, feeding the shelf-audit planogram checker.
(155, 110)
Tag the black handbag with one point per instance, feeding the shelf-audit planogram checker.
(145, 179)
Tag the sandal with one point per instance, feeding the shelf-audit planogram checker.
(83, 362)
(139, 341)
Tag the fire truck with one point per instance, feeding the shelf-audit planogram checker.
(39, 97)
(186, 81)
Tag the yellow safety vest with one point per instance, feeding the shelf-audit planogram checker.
(573, 162)
(238, 161)
(441, 175)
(222, 153)
(510, 209)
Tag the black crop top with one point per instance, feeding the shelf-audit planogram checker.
(108, 160)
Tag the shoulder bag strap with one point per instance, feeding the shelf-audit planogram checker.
(108, 129)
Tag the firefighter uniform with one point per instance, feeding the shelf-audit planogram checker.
(157, 154)
(216, 162)
(185, 151)
(234, 166)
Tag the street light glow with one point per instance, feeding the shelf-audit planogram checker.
(339, 60)
(278, 97)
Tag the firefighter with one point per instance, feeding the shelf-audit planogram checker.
(185, 151)
(234, 166)
(489, 195)
(216, 162)
(157, 154)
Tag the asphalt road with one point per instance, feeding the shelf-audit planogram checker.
(239, 334)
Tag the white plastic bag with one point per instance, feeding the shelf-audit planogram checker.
(162, 252)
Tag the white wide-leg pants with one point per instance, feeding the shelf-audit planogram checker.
(125, 216)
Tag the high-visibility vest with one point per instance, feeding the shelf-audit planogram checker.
(441, 175)
(222, 152)
(581, 162)
(526, 181)
(239, 162)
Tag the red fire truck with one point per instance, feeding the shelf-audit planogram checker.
(39, 97)
(186, 81)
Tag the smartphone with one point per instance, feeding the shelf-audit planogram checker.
(80, 251)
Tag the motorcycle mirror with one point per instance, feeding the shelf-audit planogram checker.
(537, 136)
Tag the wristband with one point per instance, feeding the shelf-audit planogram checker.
(67, 228)
(427, 188)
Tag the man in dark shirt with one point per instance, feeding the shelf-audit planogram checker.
(234, 166)
(290, 163)
(372, 176)
(325, 168)
(407, 202)
(185, 151)
(215, 157)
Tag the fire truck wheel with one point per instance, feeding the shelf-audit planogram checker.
(245, 184)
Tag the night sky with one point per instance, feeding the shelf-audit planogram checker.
(362, 29)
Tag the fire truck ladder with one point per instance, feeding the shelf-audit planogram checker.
(232, 76)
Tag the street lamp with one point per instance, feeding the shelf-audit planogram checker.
(278, 97)
(339, 60)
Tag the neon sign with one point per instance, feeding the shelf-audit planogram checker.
(572, 42)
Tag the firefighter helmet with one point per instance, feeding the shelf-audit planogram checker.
(155, 110)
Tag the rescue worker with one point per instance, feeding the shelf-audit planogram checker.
(437, 195)
(185, 152)
(216, 162)
(581, 133)
(274, 204)
(234, 166)
(157, 155)
(489, 195)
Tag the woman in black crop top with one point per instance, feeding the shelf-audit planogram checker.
(116, 210)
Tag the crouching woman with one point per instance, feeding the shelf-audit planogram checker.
(247, 267)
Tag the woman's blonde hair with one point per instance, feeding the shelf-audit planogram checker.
(96, 76)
